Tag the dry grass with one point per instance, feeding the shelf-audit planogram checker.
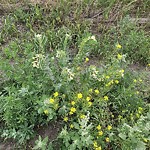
(10, 5)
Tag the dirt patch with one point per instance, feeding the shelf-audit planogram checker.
(51, 131)
(7, 145)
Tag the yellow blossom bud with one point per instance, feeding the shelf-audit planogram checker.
(56, 94)
(51, 101)
(100, 133)
(65, 119)
(107, 139)
(46, 111)
(116, 81)
(73, 103)
(119, 56)
(106, 98)
(98, 127)
(109, 127)
(88, 98)
(96, 91)
(86, 59)
(118, 46)
(71, 126)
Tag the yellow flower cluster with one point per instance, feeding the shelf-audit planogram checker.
(72, 110)
(56, 94)
(96, 147)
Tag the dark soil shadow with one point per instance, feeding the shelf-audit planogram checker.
(51, 131)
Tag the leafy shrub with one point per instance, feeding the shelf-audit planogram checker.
(40, 86)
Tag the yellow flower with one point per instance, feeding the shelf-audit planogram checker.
(100, 133)
(145, 140)
(134, 80)
(119, 56)
(98, 148)
(95, 144)
(90, 104)
(56, 94)
(79, 95)
(91, 90)
(82, 116)
(106, 98)
(98, 127)
(121, 71)
(71, 126)
(96, 91)
(65, 119)
(107, 77)
(73, 103)
(109, 83)
(116, 81)
(109, 127)
(107, 139)
(140, 108)
(140, 80)
(70, 112)
(86, 59)
(72, 109)
(118, 46)
(137, 92)
(51, 101)
(46, 111)
(139, 111)
(88, 98)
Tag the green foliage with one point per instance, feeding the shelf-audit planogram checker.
(137, 136)
(47, 73)
(42, 145)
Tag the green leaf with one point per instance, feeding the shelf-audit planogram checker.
(141, 146)
(122, 136)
